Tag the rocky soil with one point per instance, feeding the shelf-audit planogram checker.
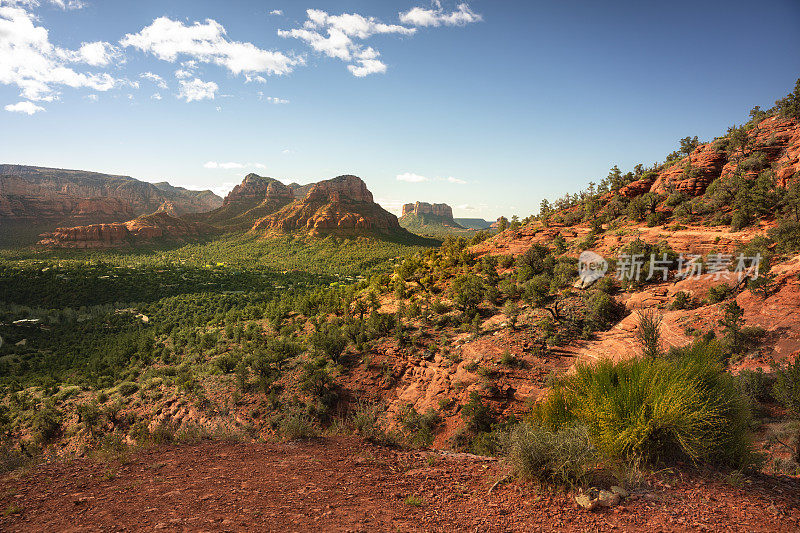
(343, 484)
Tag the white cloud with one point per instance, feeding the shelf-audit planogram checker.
(197, 89)
(272, 99)
(391, 205)
(419, 16)
(336, 36)
(28, 108)
(276, 12)
(250, 79)
(99, 53)
(156, 96)
(214, 165)
(31, 62)
(63, 4)
(410, 177)
(182, 74)
(155, 78)
(69, 4)
(169, 39)
(93, 97)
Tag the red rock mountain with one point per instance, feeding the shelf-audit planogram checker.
(342, 205)
(47, 195)
(424, 208)
(159, 227)
(254, 198)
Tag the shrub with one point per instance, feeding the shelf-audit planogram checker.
(787, 387)
(127, 388)
(328, 340)
(603, 310)
(565, 456)
(648, 333)
(419, 428)
(786, 236)
(226, 363)
(47, 425)
(659, 409)
(296, 426)
(509, 359)
(755, 385)
(682, 301)
(718, 293)
(368, 422)
(477, 415)
(467, 293)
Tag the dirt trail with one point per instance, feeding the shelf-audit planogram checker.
(342, 484)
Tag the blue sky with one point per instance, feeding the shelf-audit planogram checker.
(489, 106)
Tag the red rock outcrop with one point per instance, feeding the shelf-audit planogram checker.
(340, 205)
(424, 208)
(776, 137)
(636, 188)
(159, 226)
(38, 194)
(692, 174)
(254, 189)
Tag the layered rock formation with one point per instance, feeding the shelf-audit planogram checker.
(35, 194)
(424, 208)
(158, 227)
(777, 138)
(340, 205)
(693, 174)
(434, 220)
(254, 198)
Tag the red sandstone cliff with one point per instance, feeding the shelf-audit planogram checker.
(340, 205)
(40, 195)
(158, 227)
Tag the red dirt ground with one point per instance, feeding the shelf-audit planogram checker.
(343, 484)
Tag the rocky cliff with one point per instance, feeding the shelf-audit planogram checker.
(159, 227)
(35, 194)
(340, 205)
(424, 208)
(254, 198)
(775, 141)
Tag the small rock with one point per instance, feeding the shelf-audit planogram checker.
(584, 501)
(619, 490)
(608, 498)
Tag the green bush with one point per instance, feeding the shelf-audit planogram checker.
(328, 340)
(419, 429)
(683, 300)
(47, 425)
(476, 414)
(127, 388)
(786, 236)
(756, 385)
(787, 387)
(295, 426)
(565, 456)
(658, 409)
(718, 293)
(467, 293)
(368, 422)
